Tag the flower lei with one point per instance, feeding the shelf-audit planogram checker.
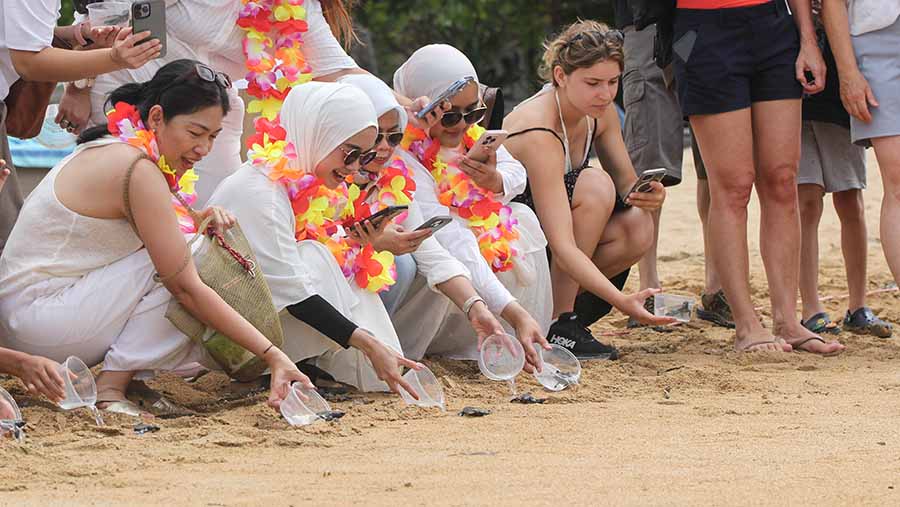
(393, 186)
(491, 221)
(124, 122)
(275, 63)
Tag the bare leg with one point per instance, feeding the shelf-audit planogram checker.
(810, 214)
(112, 385)
(593, 201)
(647, 264)
(852, 212)
(776, 132)
(887, 150)
(626, 240)
(712, 282)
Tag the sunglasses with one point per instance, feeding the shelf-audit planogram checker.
(209, 75)
(610, 36)
(451, 118)
(393, 138)
(354, 154)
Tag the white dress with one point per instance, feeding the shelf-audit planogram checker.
(295, 271)
(207, 31)
(82, 286)
(528, 283)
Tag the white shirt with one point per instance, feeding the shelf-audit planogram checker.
(456, 237)
(26, 25)
(871, 15)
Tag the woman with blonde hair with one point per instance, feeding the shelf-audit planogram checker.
(595, 228)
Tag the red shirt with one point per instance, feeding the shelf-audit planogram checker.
(718, 4)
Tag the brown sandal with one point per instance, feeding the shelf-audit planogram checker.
(755, 344)
(800, 343)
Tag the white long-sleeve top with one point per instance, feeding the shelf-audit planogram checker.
(456, 237)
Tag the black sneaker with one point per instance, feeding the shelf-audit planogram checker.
(569, 333)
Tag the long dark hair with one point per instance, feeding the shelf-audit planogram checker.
(176, 87)
(337, 14)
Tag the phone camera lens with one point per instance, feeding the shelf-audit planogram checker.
(145, 10)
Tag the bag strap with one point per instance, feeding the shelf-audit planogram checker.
(129, 214)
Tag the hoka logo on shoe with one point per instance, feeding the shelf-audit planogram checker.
(562, 341)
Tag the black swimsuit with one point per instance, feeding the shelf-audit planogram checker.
(589, 307)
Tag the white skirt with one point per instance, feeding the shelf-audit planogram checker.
(360, 306)
(114, 315)
(427, 322)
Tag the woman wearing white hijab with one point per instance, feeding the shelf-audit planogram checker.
(330, 126)
(522, 296)
(414, 249)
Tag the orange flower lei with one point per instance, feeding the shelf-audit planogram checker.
(491, 221)
(124, 122)
(275, 63)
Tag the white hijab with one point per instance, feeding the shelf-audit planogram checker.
(319, 117)
(379, 93)
(431, 70)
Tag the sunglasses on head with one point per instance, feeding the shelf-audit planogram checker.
(353, 154)
(393, 138)
(451, 118)
(209, 75)
(609, 36)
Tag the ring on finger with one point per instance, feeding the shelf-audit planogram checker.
(64, 123)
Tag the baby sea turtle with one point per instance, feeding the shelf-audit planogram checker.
(527, 399)
(330, 415)
(474, 412)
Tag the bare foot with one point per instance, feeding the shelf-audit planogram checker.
(761, 340)
(804, 340)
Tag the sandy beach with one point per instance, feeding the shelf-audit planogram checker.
(679, 419)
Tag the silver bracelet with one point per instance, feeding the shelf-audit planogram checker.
(470, 303)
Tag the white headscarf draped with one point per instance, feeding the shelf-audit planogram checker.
(431, 70)
(319, 117)
(379, 93)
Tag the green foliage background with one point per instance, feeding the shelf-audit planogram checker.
(502, 37)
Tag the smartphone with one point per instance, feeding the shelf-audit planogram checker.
(388, 213)
(488, 143)
(447, 94)
(434, 223)
(643, 183)
(150, 15)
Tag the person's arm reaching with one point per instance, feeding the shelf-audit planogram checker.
(39, 374)
(856, 94)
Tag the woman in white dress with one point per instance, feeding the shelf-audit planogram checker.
(343, 328)
(207, 31)
(522, 294)
(78, 276)
(414, 251)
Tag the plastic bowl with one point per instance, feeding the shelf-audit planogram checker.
(81, 391)
(109, 13)
(559, 368)
(670, 305)
(427, 386)
(300, 412)
(501, 358)
(9, 410)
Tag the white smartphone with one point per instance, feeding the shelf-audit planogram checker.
(488, 143)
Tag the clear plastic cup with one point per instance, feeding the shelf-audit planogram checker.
(669, 305)
(109, 13)
(427, 386)
(81, 391)
(9, 410)
(300, 412)
(502, 357)
(52, 135)
(559, 368)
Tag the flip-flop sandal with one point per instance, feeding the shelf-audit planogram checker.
(821, 323)
(126, 407)
(800, 343)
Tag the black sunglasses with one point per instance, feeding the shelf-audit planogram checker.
(209, 75)
(610, 36)
(393, 138)
(354, 154)
(451, 118)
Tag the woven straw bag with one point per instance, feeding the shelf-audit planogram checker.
(226, 264)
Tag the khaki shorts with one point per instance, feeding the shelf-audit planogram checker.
(654, 124)
(829, 159)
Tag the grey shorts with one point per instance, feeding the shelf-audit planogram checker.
(879, 61)
(654, 125)
(829, 159)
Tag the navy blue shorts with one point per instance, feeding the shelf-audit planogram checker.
(727, 59)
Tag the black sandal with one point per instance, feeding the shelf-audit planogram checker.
(821, 323)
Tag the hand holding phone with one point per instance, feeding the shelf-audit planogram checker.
(642, 185)
(387, 213)
(488, 143)
(434, 224)
(150, 16)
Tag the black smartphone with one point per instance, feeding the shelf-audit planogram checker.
(434, 223)
(447, 94)
(388, 212)
(150, 15)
